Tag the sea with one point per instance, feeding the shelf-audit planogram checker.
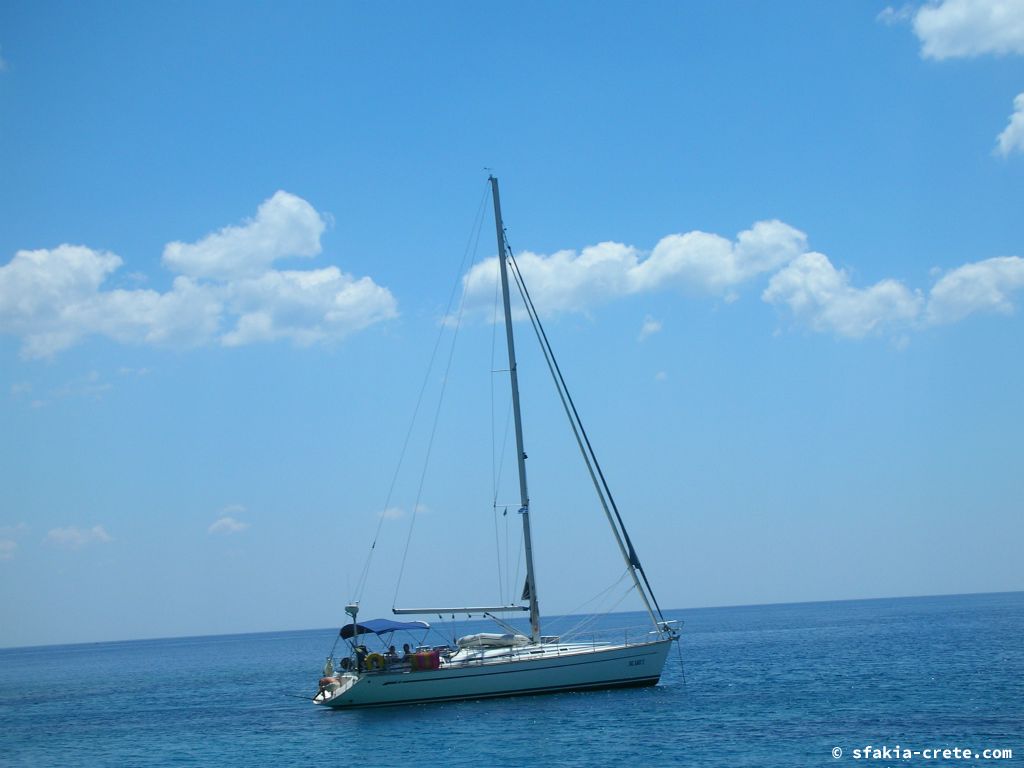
(810, 684)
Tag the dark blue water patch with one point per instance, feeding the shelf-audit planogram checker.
(778, 685)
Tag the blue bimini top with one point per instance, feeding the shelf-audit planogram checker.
(380, 627)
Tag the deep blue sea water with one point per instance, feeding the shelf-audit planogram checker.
(778, 685)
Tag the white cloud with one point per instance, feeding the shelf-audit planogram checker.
(562, 282)
(38, 288)
(285, 225)
(649, 328)
(697, 262)
(712, 264)
(227, 525)
(1012, 137)
(305, 307)
(661, 376)
(76, 538)
(966, 28)
(13, 530)
(821, 295)
(983, 286)
(52, 299)
(3, 62)
(806, 283)
(7, 547)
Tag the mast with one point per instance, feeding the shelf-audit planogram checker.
(524, 496)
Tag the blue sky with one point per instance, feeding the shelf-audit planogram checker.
(777, 247)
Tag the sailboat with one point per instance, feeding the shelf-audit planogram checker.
(510, 663)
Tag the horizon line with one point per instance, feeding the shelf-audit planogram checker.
(40, 646)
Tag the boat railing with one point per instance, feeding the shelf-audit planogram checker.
(556, 646)
(551, 646)
(623, 635)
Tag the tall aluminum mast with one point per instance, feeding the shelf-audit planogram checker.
(524, 496)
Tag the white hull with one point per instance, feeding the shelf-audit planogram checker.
(525, 671)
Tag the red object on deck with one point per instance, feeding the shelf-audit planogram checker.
(423, 660)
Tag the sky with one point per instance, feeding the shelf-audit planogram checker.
(777, 249)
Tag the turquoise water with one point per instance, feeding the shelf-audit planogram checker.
(778, 685)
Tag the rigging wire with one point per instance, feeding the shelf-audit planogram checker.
(494, 342)
(498, 463)
(495, 505)
(521, 549)
(508, 561)
(590, 458)
(504, 447)
(494, 468)
(590, 617)
(497, 552)
(477, 227)
(610, 609)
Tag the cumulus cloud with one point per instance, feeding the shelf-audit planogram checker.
(984, 286)
(285, 225)
(804, 283)
(694, 262)
(226, 525)
(967, 28)
(305, 307)
(52, 299)
(822, 296)
(76, 538)
(38, 287)
(1012, 138)
(227, 292)
(712, 264)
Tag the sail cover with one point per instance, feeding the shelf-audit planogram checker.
(380, 627)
